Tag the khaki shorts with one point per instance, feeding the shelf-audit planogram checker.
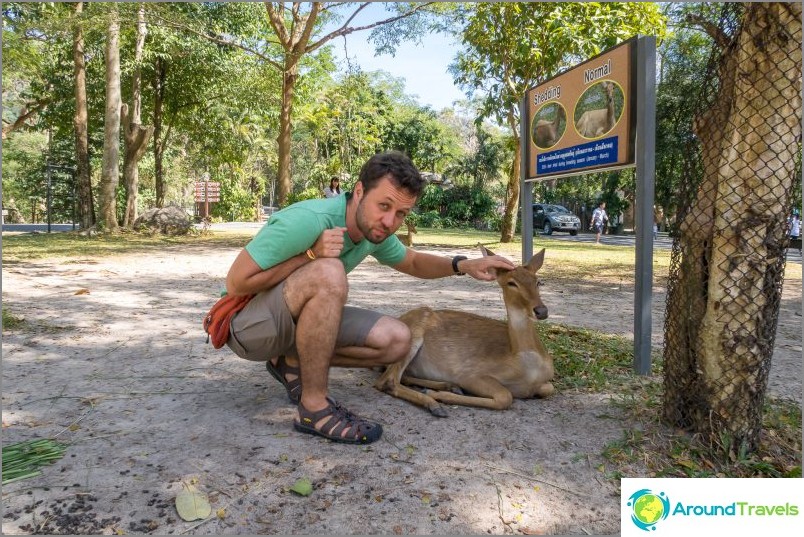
(265, 328)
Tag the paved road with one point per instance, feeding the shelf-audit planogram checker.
(663, 242)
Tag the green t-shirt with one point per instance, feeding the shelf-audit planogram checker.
(294, 229)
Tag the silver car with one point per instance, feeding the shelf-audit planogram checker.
(549, 218)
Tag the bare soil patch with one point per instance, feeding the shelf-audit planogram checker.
(114, 362)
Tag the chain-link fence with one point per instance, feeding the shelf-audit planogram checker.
(731, 231)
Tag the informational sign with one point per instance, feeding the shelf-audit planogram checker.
(584, 120)
(207, 191)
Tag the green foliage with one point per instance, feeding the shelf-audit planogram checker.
(431, 219)
(306, 194)
(432, 199)
(682, 78)
(11, 321)
(459, 205)
(511, 46)
(237, 202)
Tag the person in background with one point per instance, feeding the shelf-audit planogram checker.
(599, 219)
(296, 267)
(334, 188)
(795, 226)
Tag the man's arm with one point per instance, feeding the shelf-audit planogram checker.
(245, 277)
(428, 266)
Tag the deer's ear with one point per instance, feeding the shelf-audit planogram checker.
(485, 251)
(536, 261)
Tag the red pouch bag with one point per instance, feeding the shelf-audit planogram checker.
(219, 317)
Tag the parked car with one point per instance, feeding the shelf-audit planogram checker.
(549, 218)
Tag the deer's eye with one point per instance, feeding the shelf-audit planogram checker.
(512, 284)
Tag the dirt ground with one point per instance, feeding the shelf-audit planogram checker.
(114, 363)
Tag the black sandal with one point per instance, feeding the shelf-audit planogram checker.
(359, 430)
(280, 371)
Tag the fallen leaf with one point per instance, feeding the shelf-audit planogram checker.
(82, 292)
(302, 487)
(192, 504)
(221, 513)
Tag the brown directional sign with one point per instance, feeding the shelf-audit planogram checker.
(584, 119)
(207, 191)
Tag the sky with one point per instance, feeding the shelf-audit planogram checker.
(423, 65)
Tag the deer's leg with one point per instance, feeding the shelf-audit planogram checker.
(488, 393)
(545, 390)
(431, 384)
(390, 382)
(418, 398)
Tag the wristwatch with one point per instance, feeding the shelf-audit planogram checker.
(455, 261)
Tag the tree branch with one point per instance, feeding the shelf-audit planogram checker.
(711, 29)
(277, 21)
(344, 30)
(218, 40)
(27, 112)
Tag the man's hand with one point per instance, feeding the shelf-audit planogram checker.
(485, 268)
(330, 243)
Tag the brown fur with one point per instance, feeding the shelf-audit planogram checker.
(594, 123)
(496, 361)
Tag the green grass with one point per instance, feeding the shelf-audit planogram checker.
(664, 451)
(565, 260)
(11, 321)
(587, 360)
(594, 362)
(23, 459)
(74, 245)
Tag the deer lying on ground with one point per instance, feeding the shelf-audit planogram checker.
(492, 360)
(407, 238)
(546, 131)
(594, 123)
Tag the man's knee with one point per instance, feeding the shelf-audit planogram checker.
(393, 338)
(328, 276)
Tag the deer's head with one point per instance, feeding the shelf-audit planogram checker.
(520, 286)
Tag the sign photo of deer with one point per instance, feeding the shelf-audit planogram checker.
(549, 125)
(599, 109)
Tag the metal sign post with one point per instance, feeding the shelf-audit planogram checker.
(646, 175)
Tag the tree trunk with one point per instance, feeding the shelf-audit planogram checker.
(83, 188)
(135, 135)
(285, 129)
(514, 177)
(111, 131)
(159, 143)
(733, 238)
(136, 142)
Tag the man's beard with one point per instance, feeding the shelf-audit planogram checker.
(364, 226)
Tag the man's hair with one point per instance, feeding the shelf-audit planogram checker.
(403, 172)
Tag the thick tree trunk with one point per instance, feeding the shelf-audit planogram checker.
(512, 199)
(159, 143)
(514, 176)
(285, 131)
(83, 187)
(134, 134)
(733, 238)
(111, 131)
